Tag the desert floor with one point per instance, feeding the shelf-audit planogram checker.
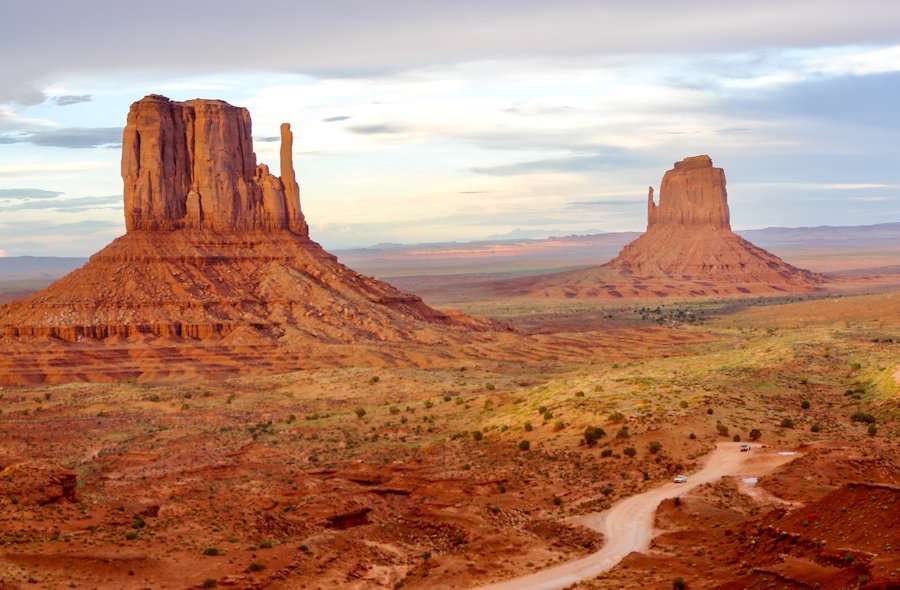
(475, 471)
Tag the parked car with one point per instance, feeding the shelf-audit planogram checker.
(680, 479)
(745, 448)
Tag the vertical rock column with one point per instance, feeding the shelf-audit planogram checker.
(296, 221)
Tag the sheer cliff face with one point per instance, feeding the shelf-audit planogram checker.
(692, 195)
(190, 165)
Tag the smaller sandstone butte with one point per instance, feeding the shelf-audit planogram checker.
(217, 251)
(687, 250)
(689, 238)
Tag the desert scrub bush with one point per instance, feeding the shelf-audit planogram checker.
(210, 583)
(211, 551)
(721, 429)
(374, 379)
(477, 435)
(683, 404)
(616, 417)
(692, 436)
(606, 452)
(256, 567)
(394, 410)
(787, 423)
(490, 386)
(815, 428)
(623, 433)
(872, 430)
(805, 404)
(429, 404)
(360, 412)
(524, 445)
(629, 451)
(655, 446)
(592, 434)
(755, 434)
(558, 425)
(678, 584)
(579, 394)
(557, 501)
(131, 535)
(528, 427)
(736, 438)
(860, 416)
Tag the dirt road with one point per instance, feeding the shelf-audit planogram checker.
(628, 525)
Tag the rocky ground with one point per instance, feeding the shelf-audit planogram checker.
(450, 476)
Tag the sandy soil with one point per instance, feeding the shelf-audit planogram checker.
(628, 525)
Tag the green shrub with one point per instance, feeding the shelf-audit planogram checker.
(860, 416)
(721, 429)
(606, 452)
(210, 583)
(655, 446)
(630, 451)
(616, 417)
(872, 430)
(623, 432)
(477, 435)
(360, 412)
(256, 567)
(592, 434)
(524, 445)
(755, 434)
(736, 438)
(528, 427)
(787, 423)
(815, 428)
(678, 584)
(805, 404)
(211, 551)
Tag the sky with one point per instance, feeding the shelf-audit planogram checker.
(426, 121)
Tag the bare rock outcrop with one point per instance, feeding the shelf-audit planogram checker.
(692, 195)
(191, 165)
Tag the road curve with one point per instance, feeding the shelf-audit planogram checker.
(628, 524)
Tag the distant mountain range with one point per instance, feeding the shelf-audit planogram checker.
(823, 249)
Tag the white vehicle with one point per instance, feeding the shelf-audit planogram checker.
(745, 448)
(680, 479)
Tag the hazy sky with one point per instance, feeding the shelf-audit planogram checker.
(436, 121)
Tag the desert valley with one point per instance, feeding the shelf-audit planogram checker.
(215, 400)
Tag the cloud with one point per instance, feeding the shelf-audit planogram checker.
(68, 99)
(603, 160)
(70, 137)
(68, 205)
(268, 139)
(27, 193)
(378, 129)
(608, 203)
(78, 137)
(8, 171)
(336, 119)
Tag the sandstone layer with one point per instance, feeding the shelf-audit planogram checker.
(216, 250)
(688, 249)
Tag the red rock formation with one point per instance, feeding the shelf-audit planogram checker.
(689, 237)
(216, 247)
(687, 250)
(191, 165)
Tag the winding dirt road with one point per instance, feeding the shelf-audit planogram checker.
(628, 525)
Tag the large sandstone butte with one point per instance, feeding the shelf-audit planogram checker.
(216, 251)
(687, 250)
